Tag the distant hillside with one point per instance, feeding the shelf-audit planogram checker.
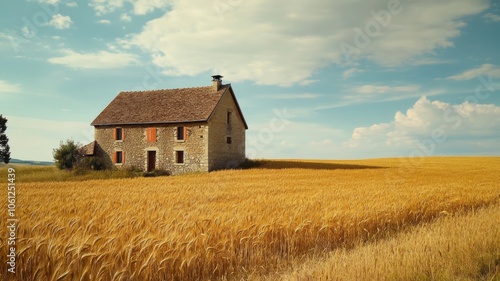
(30, 162)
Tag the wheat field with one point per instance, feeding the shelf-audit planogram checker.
(290, 220)
(454, 247)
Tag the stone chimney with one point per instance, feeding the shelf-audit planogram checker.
(216, 82)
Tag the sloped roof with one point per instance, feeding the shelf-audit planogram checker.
(88, 150)
(163, 106)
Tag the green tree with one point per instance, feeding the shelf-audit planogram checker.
(66, 156)
(4, 141)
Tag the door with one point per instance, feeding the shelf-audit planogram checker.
(151, 160)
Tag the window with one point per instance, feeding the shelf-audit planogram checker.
(118, 157)
(228, 117)
(181, 133)
(151, 134)
(179, 157)
(228, 140)
(118, 134)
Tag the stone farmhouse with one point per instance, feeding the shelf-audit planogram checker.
(179, 130)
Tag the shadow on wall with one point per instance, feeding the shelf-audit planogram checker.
(290, 164)
(99, 152)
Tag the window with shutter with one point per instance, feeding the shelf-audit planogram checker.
(118, 157)
(181, 133)
(151, 134)
(118, 134)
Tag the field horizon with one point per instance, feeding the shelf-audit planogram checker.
(284, 219)
(37, 173)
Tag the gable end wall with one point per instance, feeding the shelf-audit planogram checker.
(220, 154)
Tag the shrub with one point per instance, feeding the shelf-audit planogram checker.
(66, 156)
(156, 173)
(94, 163)
(86, 164)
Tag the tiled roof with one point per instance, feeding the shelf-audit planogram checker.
(88, 150)
(162, 106)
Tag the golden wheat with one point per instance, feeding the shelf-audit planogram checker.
(462, 247)
(238, 223)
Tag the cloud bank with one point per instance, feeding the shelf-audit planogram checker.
(244, 39)
(432, 127)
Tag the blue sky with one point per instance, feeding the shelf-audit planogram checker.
(315, 79)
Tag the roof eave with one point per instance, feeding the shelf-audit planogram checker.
(239, 109)
(149, 123)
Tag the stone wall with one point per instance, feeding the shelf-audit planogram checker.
(221, 154)
(135, 147)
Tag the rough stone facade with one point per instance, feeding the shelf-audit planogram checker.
(223, 155)
(206, 146)
(135, 147)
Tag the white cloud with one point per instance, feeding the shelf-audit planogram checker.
(377, 93)
(433, 126)
(12, 40)
(284, 43)
(51, 2)
(6, 87)
(125, 17)
(350, 72)
(60, 22)
(104, 21)
(99, 60)
(429, 61)
(27, 32)
(488, 70)
(492, 17)
(48, 135)
(102, 7)
(308, 82)
(380, 93)
(383, 89)
(140, 7)
(72, 4)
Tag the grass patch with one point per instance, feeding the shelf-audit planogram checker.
(27, 173)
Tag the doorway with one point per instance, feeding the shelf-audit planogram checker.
(151, 160)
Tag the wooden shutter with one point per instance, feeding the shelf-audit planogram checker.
(185, 132)
(123, 157)
(114, 157)
(151, 133)
(114, 133)
(123, 133)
